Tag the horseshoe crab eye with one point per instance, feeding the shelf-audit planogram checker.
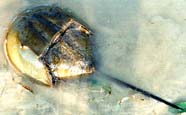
(47, 44)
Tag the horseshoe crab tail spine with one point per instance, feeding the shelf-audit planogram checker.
(146, 93)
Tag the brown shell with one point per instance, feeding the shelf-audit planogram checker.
(47, 44)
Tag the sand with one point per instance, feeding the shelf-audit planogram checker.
(141, 42)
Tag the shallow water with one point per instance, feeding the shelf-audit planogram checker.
(140, 42)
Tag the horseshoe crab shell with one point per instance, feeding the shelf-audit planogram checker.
(47, 45)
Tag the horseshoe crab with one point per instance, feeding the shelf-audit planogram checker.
(47, 45)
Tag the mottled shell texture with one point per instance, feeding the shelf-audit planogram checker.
(46, 44)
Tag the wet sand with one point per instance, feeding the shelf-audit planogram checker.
(140, 42)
